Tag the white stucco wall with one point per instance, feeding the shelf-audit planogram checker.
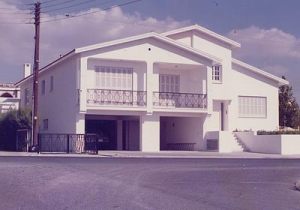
(245, 83)
(272, 144)
(60, 106)
(216, 48)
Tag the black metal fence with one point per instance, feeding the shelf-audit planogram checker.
(180, 100)
(116, 97)
(68, 143)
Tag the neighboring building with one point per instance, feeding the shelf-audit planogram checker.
(9, 97)
(179, 90)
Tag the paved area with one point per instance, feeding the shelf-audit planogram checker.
(148, 183)
(162, 154)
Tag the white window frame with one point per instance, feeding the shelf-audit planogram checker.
(217, 71)
(114, 78)
(169, 83)
(252, 106)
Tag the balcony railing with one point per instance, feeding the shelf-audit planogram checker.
(179, 100)
(116, 97)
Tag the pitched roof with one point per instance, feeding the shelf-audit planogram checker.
(204, 31)
(260, 72)
(150, 35)
(126, 40)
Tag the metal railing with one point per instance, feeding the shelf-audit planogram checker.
(68, 143)
(180, 100)
(116, 97)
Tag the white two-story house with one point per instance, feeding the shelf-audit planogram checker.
(172, 91)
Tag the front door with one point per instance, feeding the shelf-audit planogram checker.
(222, 116)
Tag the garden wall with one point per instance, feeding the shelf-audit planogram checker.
(270, 144)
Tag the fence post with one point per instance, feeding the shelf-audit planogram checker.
(39, 147)
(68, 143)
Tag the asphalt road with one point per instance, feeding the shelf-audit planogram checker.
(112, 183)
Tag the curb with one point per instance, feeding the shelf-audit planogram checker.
(297, 185)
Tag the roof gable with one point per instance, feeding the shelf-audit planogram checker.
(205, 31)
(147, 36)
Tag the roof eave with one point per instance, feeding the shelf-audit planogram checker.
(65, 56)
(261, 72)
(232, 43)
(145, 36)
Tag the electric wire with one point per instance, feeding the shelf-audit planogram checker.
(67, 7)
(92, 12)
(58, 4)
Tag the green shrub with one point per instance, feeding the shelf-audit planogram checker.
(10, 122)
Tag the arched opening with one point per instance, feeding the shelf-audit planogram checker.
(6, 95)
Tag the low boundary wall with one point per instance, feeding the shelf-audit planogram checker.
(270, 144)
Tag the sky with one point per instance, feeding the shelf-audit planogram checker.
(268, 30)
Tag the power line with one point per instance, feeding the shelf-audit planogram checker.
(15, 23)
(61, 3)
(49, 1)
(70, 6)
(92, 12)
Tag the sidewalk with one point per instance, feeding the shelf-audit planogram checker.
(162, 154)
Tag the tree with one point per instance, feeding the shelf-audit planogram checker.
(289, 113)
(10, 122)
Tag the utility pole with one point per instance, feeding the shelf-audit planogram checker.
(35, 120)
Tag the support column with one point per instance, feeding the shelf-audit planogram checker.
(83, 78)
(149, 86)
(150, 133)
(119, 134)
(80, 123)
(209, 90)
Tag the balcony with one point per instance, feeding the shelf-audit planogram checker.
(116, 97)
(179, 100)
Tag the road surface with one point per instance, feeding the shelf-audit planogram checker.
(148, 183)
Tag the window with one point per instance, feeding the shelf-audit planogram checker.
(51, 84)
(217, 73)
(115, 78)
(45, 124)
(26, 96)
(43, 87)
(252, 106)
(169, 83)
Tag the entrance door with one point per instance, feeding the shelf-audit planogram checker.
(222, 116)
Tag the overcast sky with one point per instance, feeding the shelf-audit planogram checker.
(267, 29)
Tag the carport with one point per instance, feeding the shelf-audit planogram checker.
(115, 132)
(181, 133)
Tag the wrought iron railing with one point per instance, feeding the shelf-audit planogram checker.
(180, 100)
(116, 97)
(68, 143)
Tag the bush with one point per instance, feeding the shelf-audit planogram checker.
(10, 122)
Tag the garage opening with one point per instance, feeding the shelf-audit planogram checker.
(181, 133)
(115, 132)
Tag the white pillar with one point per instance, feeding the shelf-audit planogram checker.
(119, 135)
(80, 123)
(209, 90)
(149, 133)
(149, 86)
(82, 83)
